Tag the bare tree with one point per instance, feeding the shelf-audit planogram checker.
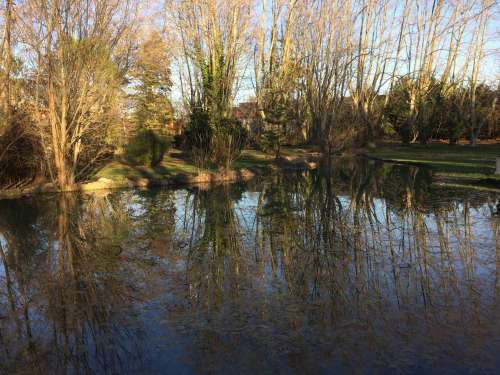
(276, 63)
(212, 36)
(6, 64)
(327, 66)
(75, 48)
(478, 119)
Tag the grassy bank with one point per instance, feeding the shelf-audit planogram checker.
(177, 163)
(460, 164)
(453, 165)
(176, 169)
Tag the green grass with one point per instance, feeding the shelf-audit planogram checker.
(254, 158)
(454, 162)
(175, 162)
(172, 164)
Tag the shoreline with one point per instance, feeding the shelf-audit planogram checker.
(255, 165)
(442, 178)
(205, 177)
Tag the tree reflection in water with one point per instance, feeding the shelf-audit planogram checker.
(359, 266)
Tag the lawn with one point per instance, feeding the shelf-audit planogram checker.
(175, 162)
(460, 162)
(254, 158)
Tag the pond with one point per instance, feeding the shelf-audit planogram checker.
(357, 267)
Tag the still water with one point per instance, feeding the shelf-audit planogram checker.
(358, 267)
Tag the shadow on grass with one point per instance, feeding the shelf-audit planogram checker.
(475, 162)
(173, 163)
(253, 158)
(177, 162)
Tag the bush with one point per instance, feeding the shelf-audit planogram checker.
(147, 148)
(199, 131)
(21, 154)
(179, 141)
(219, 142)
(270, 142)
(398, 111)
(197, 138)
(228, 140)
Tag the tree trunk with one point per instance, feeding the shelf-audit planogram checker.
(7, 51)
(473, 138)
(497, 171)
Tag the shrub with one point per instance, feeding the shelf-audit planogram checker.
(270, 142)
(197, 137)
(228, 140)
(147, 148)
(398, 111)
(199, 131)
(21, 154)
(219, 141)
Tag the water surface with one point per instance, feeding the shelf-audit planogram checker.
(359, 267)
